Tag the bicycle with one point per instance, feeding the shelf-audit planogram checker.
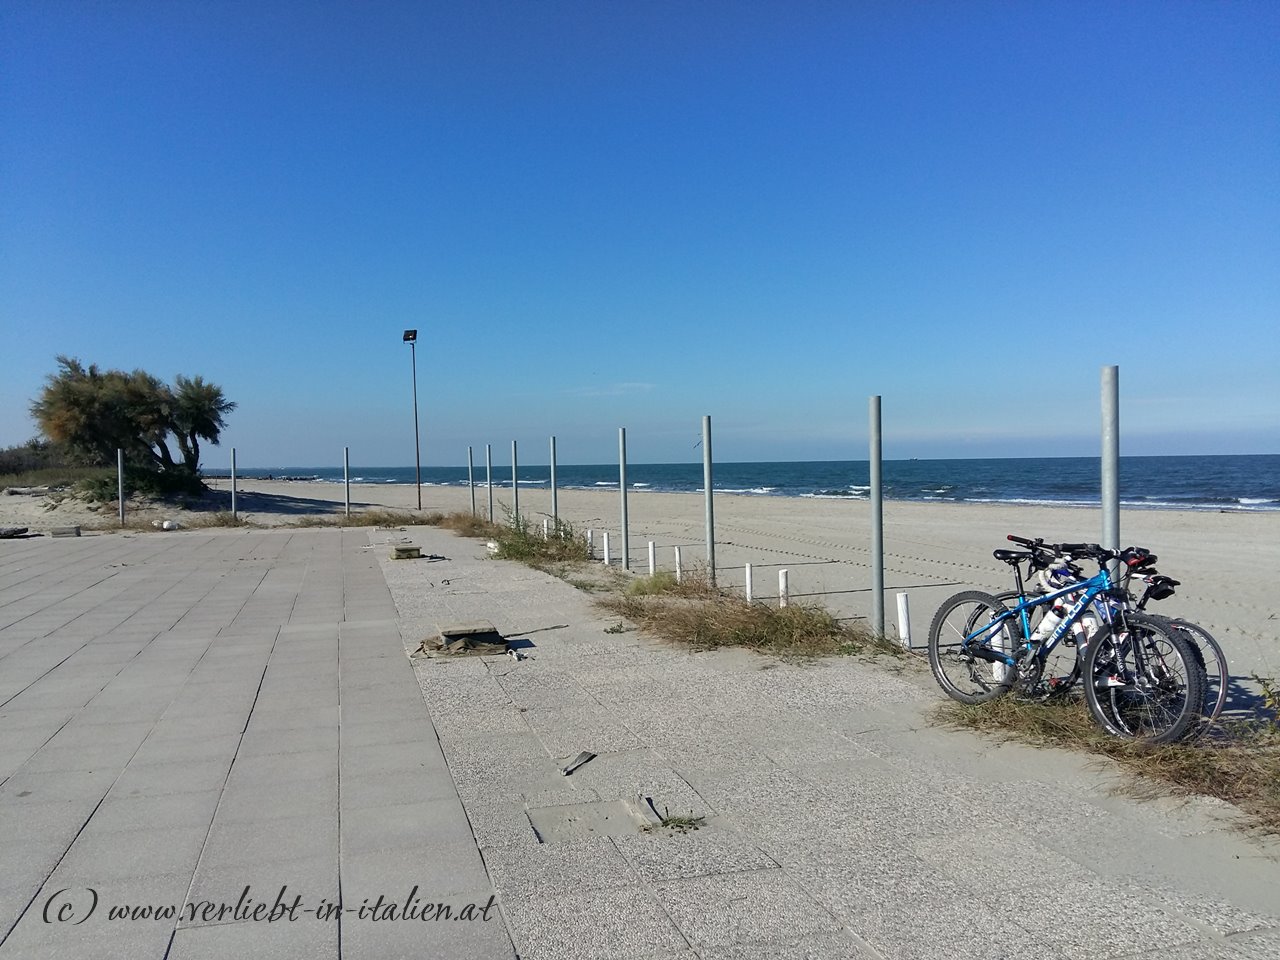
(1144, 680)
(1061, 666)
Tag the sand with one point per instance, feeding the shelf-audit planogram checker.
(1226, 561)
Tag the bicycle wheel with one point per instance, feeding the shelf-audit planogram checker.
(961, 673)
(1143, 681)
(1212, 659)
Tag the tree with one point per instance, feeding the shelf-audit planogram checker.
(94, 413)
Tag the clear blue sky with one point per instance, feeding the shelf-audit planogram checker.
(604, 214)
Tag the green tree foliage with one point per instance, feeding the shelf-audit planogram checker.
(94, 413)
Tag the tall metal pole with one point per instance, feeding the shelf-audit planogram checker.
(346, 477)
(622, 486)
(515, 488)
(555, 503)
(471, 481)
(710, 511)
(417, 447)
(120, 481)
(233, 483)
(1111, 459)
(488, 476)
(877, 522)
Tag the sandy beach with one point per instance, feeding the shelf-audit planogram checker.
(1224, 560)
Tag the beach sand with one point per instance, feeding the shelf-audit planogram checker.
(1226, 561)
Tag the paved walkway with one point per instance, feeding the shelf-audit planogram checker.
(838, 822)
(185, 715)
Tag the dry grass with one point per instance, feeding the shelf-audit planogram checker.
(56, 477)
(360, 518)
(521, 540)
(1237, 761)
(697, 613)
(466, 525)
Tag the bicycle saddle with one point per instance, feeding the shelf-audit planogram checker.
(1011, 556)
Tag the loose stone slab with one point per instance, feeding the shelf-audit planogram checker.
(605, 818)
(65, 532)
(8, 533)
(406, 552)
(475, 637)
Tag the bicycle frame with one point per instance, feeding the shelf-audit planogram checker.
(1090, 590)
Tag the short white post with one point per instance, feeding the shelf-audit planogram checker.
(120, 482)
(591, 543)
(346, 478)
(653, 558)
(233, 483)
(748, 583)
(679, 568)
(546, 529)
(904, 621)
(606, 548)
(784, 594)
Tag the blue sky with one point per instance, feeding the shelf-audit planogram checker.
(604, 214)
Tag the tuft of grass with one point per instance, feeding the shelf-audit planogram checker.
(361, 518)
(521, 540)
(681, 824)
(663, 581)
(216, 518)
(467, 525)
(697, 613)
(1237, 760)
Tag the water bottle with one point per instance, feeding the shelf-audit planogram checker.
(1045, 628)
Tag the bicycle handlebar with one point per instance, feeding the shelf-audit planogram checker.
(1091, 550)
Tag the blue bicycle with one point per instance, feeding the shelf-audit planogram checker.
(1141, 680)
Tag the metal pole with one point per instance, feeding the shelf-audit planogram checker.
(346, 476)
(747, 584)
(120, 481)
(515, 488)
(488, 474)
(622, 485)
(471, 480)
(417, 448)
(877, 522)
(679, 567)
(784, 591)
(233, 483)
(606, 548)
(1111, 460)
(706, 483)
(555, 504)
(591, 548)
(653, 558)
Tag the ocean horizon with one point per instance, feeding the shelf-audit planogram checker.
(1245, 482)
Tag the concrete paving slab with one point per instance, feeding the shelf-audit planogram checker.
(302, 939)
(625, 924)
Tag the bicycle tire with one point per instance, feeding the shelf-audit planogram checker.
(1214, 662)
(1158, 704)
(960, 674)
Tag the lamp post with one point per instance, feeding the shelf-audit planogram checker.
(410, 337)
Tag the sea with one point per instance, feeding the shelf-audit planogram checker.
(1243, 483)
